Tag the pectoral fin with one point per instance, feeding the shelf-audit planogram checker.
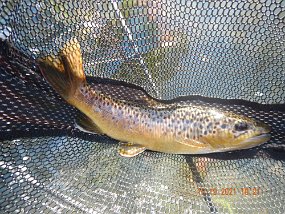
(191, 143)
(85, 124)
(130, 149)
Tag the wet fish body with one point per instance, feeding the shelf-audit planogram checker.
(169, 128)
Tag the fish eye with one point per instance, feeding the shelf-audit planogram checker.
(241, 126)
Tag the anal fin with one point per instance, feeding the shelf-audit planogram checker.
(85, 124)
(130, 149)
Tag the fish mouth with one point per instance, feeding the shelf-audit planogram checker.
(264, 128)
(261, 136)
(258, 139)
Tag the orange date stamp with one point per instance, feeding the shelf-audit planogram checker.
(228, 191)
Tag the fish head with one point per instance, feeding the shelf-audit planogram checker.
(234, 132)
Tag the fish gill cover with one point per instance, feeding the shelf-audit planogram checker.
(224, 54)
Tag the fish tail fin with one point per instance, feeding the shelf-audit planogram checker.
(65, 71)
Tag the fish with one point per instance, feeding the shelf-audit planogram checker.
(161, 127)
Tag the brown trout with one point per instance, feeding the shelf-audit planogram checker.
(161, 127)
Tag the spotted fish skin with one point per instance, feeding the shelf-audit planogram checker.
(170, 128)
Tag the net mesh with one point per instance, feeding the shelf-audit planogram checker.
(229, 55)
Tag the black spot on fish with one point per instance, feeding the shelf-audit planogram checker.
(209, 126)
(223, 126)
